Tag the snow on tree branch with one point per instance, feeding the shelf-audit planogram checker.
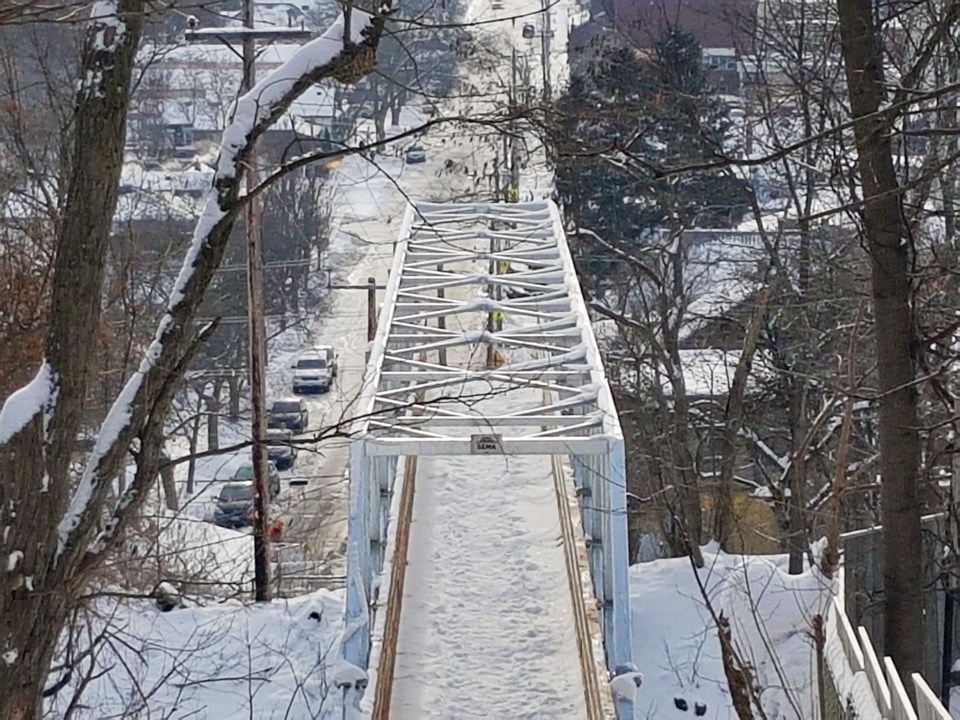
(109, 31)
(26, 403)
(329, 56)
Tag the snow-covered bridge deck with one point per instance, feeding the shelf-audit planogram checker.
(487, 548)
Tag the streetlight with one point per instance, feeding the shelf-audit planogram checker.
(529, 32)
(248, 36)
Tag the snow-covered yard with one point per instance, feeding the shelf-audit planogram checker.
(227, 660)
(218, 662)
(675, 641)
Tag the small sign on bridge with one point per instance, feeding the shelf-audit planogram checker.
(486, 445)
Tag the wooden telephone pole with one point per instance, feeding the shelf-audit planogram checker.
(258, 344)
(255, 308)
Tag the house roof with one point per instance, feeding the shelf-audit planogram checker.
(195, 86)
(707, 373)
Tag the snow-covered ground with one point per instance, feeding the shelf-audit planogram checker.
(675, 639)
(220, 662)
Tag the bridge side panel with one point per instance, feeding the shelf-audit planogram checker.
(619, 555)
(356, 640)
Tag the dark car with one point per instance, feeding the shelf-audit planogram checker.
(288, 413)
(416, 155)
(244, 473)
(280, 448)
(235, 505)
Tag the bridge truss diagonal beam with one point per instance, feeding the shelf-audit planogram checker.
(494, 287)
(531, 281)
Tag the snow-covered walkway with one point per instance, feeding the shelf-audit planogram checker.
(487, 625)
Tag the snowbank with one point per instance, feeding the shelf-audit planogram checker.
(190, 548)
(229, 661)
(675, 642)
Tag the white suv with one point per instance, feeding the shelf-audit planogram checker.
(330, 354)
(311, 372)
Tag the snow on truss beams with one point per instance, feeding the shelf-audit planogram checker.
(468, 276)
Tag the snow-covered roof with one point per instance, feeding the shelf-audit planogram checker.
(158, 206)
(162, 194)
(190, 181)
(707, 372)
(196, 85)
(721, 273)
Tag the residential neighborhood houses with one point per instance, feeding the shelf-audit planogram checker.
(645, 227)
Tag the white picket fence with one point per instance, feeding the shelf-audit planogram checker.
(885, 684)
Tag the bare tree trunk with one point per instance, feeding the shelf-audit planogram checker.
(213, 415)
(684, 470)
(723, 519)
(796, 542)
(169, 488)
(799, 384)
(685, 477)
(192, 463)
(887, 241)
(34, 598)
(233, 387)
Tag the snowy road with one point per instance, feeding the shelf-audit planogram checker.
(486, 629)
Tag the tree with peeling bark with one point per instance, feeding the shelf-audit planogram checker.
(58, 525)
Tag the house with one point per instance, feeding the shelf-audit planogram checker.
(188, 91)
(725, 30)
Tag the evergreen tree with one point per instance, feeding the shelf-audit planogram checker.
(626, 119)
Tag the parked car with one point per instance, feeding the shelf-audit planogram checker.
(416, 155)
(289, 413)
(234, 505)
(244, 473)
(497, 4)
(311, 372)
(280, 448)
(330, 355)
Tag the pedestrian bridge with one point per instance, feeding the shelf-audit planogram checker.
(487, 542)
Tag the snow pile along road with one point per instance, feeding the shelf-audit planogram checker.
(219, 662)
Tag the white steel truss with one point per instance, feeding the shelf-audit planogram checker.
(495, 286)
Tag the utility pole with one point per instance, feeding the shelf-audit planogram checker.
(371, 312)
(372, 315)
(514, 195)
(545, 48)
(441, 322)
(258, 344)
(255, 308)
